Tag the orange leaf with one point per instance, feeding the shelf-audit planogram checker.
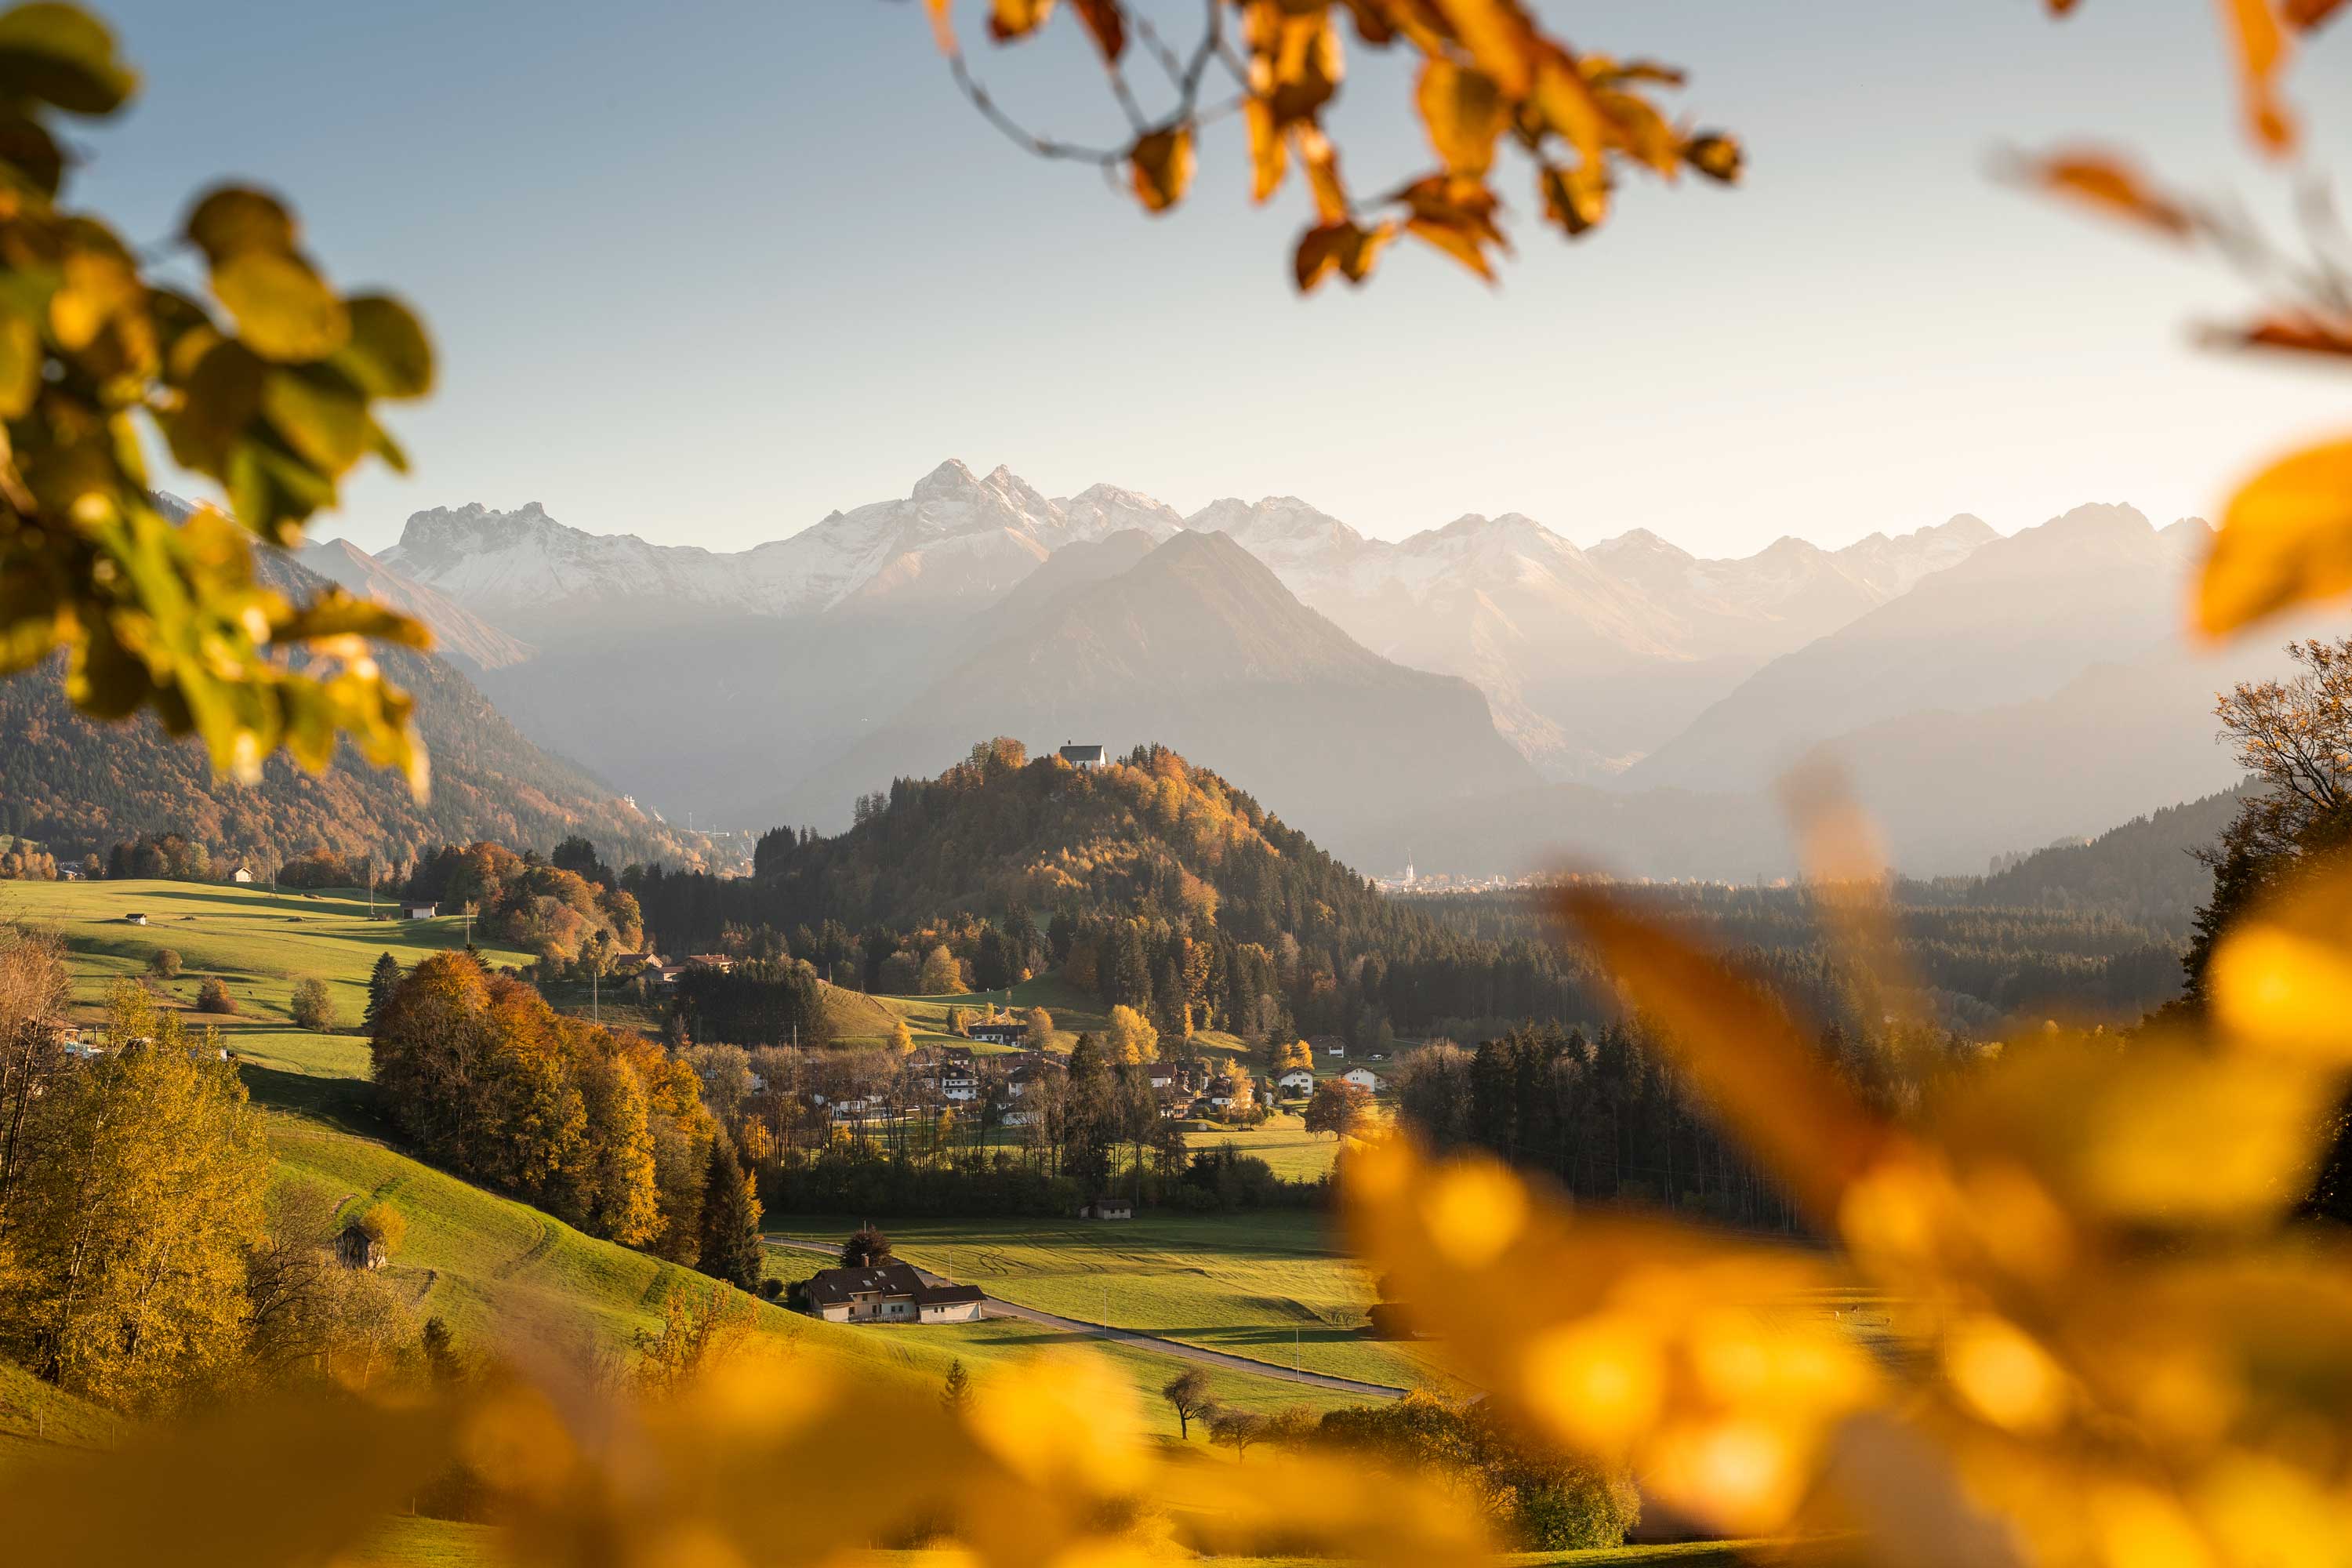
(2302, 15)
(942, 29)
(1269, 155)
(2262, 48)
(1464, 112)
(1576, 199)
(1107, 23)
(1498, 37)
(1351, 250)
(2109, 185)
(2285, 539)
(1715, 155)
(1566, 102)
(1017, 18)
(2301, 334)
(1161, 166)
(1322, 163)
(1744, 1052)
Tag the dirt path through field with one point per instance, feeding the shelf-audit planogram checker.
(1176, 1349)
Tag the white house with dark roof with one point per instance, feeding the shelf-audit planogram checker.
(889, 1294)
(1077, 756)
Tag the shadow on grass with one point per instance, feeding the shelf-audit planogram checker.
(346, 1104)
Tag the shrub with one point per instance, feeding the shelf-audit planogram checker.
(163, 963)
(213, 996)
(313, 1006)
(387, 1224)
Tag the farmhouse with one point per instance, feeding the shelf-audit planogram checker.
(718, 961)
(1106, 1207)
(1082, 756)
(417, 910)
(1366, 1080)
(1329, 1045)
(1297, 1080)
(889, 1294)
(1002, 1032)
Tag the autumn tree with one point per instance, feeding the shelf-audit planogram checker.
(1041, 1026)
(941, 974)
(1131, 1038)
(33, 985)
(313, 1006)
(386, 1225)
(128, 1239)
(1187, 1395)
(1338, 1108)
(163, 963)
(213, 995)
(1236, 1429)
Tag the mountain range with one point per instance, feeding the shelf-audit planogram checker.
(1594, 697)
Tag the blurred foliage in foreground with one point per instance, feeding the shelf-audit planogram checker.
(265, 381)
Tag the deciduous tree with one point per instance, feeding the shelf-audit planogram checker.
(1187, 1395)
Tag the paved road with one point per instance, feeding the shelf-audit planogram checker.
(992, 1308)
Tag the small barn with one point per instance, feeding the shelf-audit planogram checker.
(1077, 756)
(136, 920)
(240, 875)
(417, 910)
(356, 1246)
(1106, 1207)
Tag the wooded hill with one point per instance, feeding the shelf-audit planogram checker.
(1150, 843)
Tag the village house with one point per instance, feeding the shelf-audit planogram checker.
(718, 961)
(1002, 1032)
(1106, 1207)
(1082, 756)
(1366, 1080)
(1329, 1045)
(1221, 1092)
(889, 1294)
(1297, 1080)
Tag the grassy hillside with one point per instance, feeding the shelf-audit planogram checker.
(258, 942)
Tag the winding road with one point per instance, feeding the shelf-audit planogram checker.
(1174, 1349)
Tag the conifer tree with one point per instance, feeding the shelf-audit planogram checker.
(382, 982)
(731, 1221)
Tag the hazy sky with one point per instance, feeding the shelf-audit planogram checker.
(704, 272)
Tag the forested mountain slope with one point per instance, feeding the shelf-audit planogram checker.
(80, 785)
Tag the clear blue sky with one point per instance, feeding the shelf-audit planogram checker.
(703, 272)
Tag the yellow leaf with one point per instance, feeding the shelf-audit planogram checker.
(1741, 1049)
(320, 415)
(1577, 199)
(1464, 112)
(1269, 153)
(183, 1495)
(1715, 155)
(2281, 978)
(284, 311)
(1161, 163)
(2285, 539)
(233, 219)
(1698, 1360)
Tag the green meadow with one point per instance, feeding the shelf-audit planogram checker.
(1271, 1286)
